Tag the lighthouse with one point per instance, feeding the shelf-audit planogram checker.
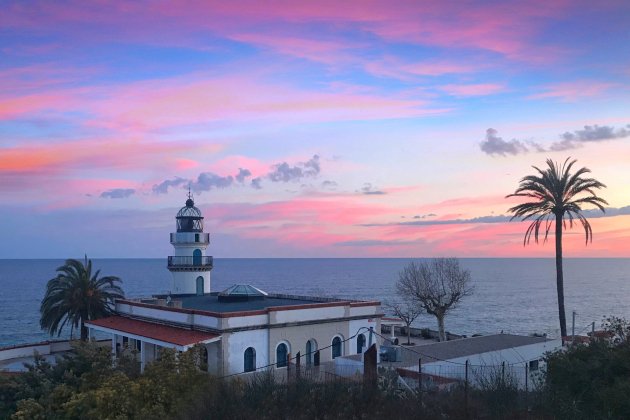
(190, 266)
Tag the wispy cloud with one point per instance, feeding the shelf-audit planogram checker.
(589, 213)
(481, 89)
(118, 193)
(573, 91)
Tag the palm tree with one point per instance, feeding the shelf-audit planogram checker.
(557, 195)
(75, 296)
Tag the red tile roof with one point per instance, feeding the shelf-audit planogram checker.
(172, 335)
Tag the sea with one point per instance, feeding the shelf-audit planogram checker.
(510, 295)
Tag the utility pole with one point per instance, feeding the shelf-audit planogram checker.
(573, 329)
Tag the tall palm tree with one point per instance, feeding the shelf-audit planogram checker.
(75, 296)
(557, 195)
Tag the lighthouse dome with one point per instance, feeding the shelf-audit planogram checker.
(189, 218)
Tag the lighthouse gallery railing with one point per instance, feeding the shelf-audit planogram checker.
(176, 261)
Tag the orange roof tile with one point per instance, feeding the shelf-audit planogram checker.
(159, 332)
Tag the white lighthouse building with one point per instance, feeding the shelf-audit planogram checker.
(190, 266)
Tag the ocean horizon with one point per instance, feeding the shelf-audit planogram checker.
(515, 295)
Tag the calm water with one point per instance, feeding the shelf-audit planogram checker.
(513, 295)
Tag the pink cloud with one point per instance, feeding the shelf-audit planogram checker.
(573, 91)
(330, 52)
(230, 164)
(40, 164)
(505, 28)
(398, 69)
(182, 164)
(51, 102)
(196, 100)
(480, 89)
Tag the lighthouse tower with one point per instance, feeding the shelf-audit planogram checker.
(190, 266)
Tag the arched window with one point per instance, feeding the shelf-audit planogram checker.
(281, 355)
(336, 347)
(250, 360)
(197, 257)
(203, 365)
(199, 286)
(360, 343)
(311, 348)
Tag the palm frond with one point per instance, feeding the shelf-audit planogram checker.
(75, 296)
(556, 191)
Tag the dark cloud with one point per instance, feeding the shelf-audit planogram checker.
(590, 133)
(162, 187)
(242, 174)
(207, 181)
(369, 189)
(329, 185)
(481, 219)
(424, 216)
(589, 213)
(283, 172)
(495, 145)
(118, 193)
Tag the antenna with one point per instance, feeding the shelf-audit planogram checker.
(189, 193)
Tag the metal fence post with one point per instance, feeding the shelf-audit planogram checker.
(297, 366)
(420, 374)
(527, 386)
(288, 367)
(466, 388)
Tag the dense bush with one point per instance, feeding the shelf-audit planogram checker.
(589, 381)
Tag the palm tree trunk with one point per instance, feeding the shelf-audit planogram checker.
(84, 332)
(560, 277)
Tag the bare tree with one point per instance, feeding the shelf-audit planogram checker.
(407, 310)
(436, 286)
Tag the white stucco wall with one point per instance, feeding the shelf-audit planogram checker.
(236, 344)
(300, 315)
(245, 321)
(362, 326)
(154, 313)
(515, 360)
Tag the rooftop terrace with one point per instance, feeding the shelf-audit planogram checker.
(211, 303)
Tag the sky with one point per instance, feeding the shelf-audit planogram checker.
(306, 129)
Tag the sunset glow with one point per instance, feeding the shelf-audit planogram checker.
(306, 129)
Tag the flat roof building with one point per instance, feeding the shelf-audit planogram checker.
(242, 328)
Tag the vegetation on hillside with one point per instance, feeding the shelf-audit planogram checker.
(584, 382)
